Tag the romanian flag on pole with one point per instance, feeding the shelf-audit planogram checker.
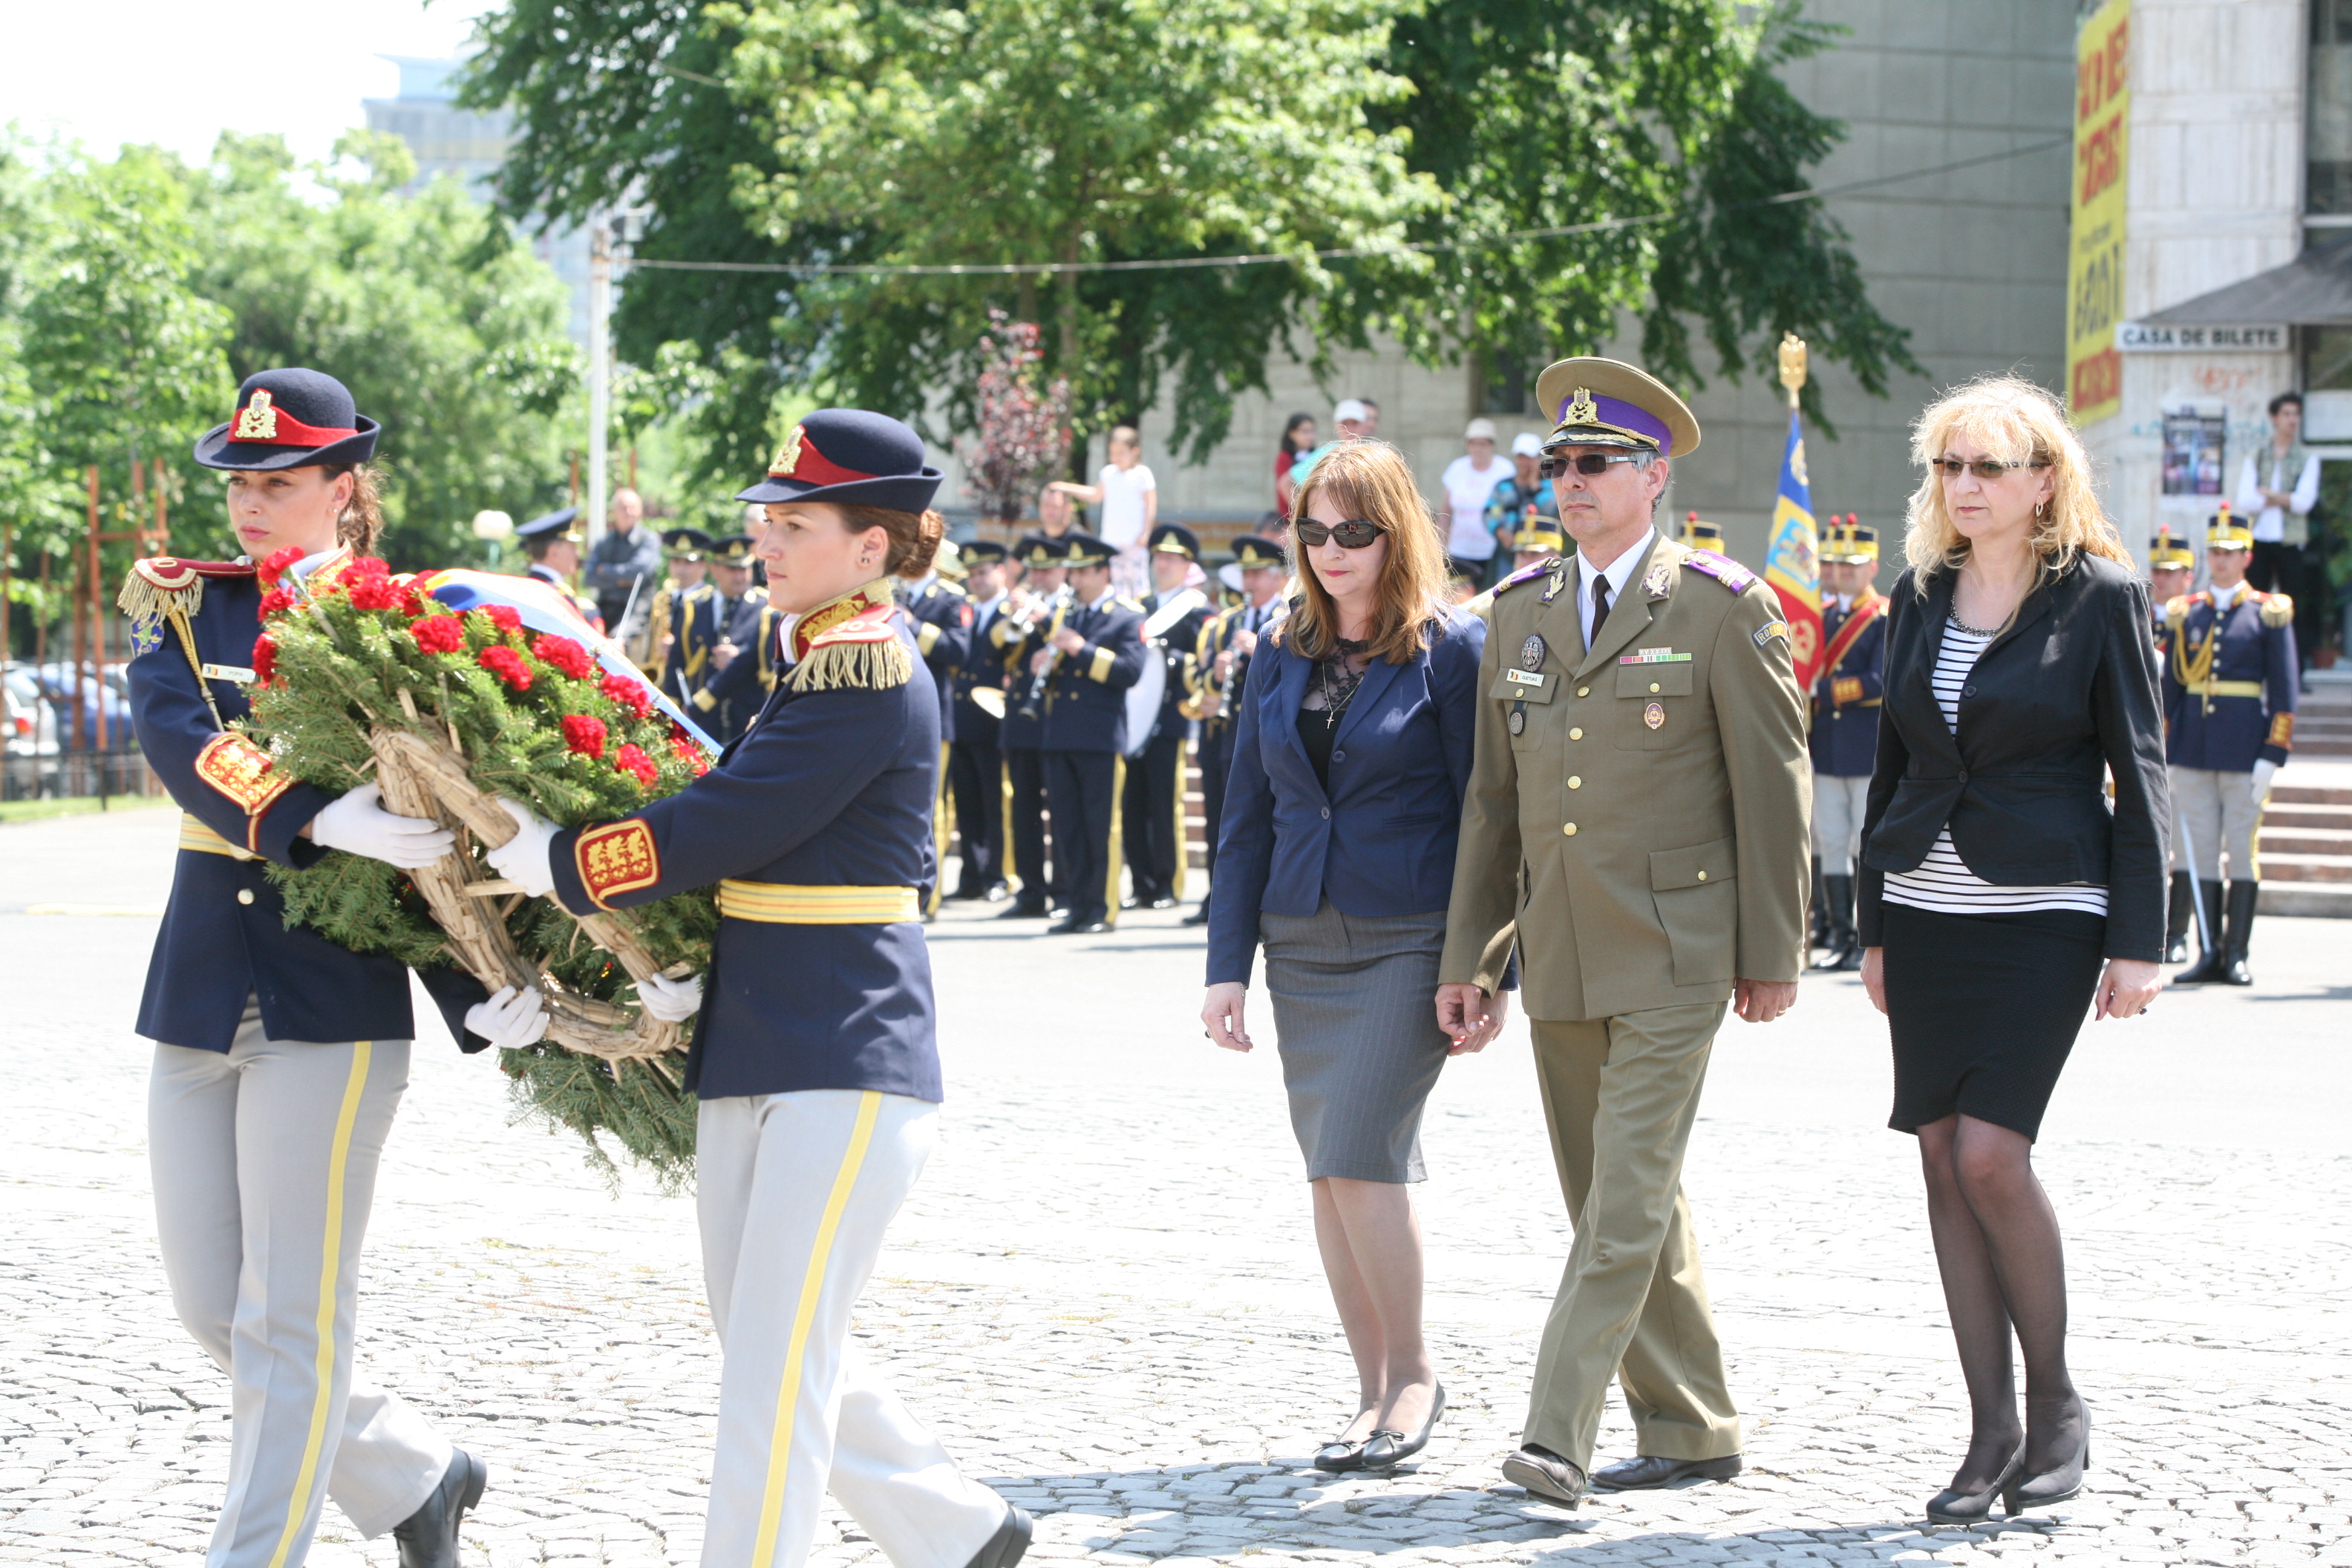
(1792, 562)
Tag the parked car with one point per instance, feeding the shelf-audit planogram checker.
(56, 686)
(30, 722)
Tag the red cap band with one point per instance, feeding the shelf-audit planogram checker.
(801, 461)
(263, 423)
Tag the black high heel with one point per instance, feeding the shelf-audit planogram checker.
(2063, 1484)
(1388, 1447)
(1954, 1507)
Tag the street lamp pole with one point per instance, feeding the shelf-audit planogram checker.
(600, 367)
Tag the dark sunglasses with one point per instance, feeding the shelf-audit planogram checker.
(1983, 468)
(1591, 464)
(1353, 534)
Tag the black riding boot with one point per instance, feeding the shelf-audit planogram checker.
(1816, 931)
(1837, 908)
(2210, 942)
(2241, 929)
(2179, 911)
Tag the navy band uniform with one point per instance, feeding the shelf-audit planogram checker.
(975, 763)
(1250, 553)
(1153, 810)
(683, 623)
(1085, 739)
(1045, 883)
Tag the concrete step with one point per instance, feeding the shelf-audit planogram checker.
(2307, 867)
(2298, 818)
(2298, 839)
(2328, 900)
(2331, 793)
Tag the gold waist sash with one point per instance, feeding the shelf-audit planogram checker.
(195, 835)
(2228, 688)
(781, 903)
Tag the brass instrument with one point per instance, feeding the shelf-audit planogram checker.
(1061, 600)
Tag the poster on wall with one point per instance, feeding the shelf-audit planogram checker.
(2192, 452)
(2094, 262)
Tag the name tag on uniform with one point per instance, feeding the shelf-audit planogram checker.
(1655, 656)
(1524, 677)
(228, 672)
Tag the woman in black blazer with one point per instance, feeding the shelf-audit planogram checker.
(2001, 897)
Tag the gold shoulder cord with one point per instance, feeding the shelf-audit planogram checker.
(188, 646)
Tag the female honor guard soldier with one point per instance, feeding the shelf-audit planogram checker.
(279, 1056)
(815, 1058)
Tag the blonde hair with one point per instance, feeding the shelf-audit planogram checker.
(2017, 422)
(1371, 480)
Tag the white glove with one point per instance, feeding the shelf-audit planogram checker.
(358, 825)
(523, 859)
(2264, 771)
(671, 1001)
(509, 1020)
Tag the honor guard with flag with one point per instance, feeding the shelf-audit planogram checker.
(683, 621)
(2172, 574)
(744, 662)
(815, 1055)
(1634, 830)
(1153, 808)
(1844, 719)
(279, 1056)
(550, 544)
(975, 763)
(1087, 661)
(2230, 682)
(1220, 670)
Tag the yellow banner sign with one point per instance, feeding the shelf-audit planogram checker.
(2094, 270)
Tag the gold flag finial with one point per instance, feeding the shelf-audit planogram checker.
(1792, 365)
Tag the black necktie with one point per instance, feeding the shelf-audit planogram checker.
(1600, 606)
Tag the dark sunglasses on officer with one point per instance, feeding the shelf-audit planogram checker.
(1591, 464)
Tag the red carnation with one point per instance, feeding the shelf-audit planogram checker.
(692, 755)
(274, 601)
(369, 566)
(438, 633)
(629, 694)
(566, 656)
(273, 566)
(504, 616)
(412, 603)
(374, 593)
(507, 665)
(583, 734)
(265, 659)
(630, 759)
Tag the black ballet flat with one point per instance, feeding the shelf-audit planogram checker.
(1965, 1508)
(1339, 1454)
(1387, 1448)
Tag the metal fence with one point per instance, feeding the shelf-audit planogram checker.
(119, 770)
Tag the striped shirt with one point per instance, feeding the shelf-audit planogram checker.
(1943, 881)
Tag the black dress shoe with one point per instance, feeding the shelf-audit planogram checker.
(1387, 1447)
(1007, 1545)
(1023, 910)
(1162, 902)
(1954, 1507)
(1199, 916)
(1339, 1454)
(997, 893)
(428, 1538)
(2048, 1487)
(1545, 1475)
(1650, 1471)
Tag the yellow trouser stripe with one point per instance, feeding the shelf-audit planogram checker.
(329, 1264)
(942, 822)
(195, 835)
(783, 904)
(1118, 848)
(779, 1441)
(1184, 849)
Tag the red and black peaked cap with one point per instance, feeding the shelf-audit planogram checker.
(850, 457)
(288, 419)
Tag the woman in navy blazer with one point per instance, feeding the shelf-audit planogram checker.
(1336, 853)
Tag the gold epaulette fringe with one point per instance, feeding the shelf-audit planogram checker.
(853, 666)
(142, 598)
(2278, 610)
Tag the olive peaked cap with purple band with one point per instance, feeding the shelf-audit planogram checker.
(1606, 403)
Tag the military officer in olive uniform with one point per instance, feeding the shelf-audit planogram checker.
(1035, 609)
(2172, 574)
(1635, 828)
(1845, 717)
(2230, 687)
(1088, 660)
(684, 618)
(1152, 811)
(1220, 669)
(975, 763)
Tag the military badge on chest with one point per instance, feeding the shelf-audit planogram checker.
(1529, 676)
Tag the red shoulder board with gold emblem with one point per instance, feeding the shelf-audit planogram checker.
(867, 626)
(1722, 568)
(616, 858)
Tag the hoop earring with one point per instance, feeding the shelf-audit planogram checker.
(2040, 511)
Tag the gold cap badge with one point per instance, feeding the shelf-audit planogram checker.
(257, 420)
(788, 457)
(1581, 409)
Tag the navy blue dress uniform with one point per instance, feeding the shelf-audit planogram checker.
(687, 616)
(975, 761)
(537, 536)
(280, 1057)
(1218, 730)
(1152, 809)
(942, 618)
(2230, 685)
(1085, 740)
(730, 696)
(1045, 883)
(1843, 719)
(815, 1057)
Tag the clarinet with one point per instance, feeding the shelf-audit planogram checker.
(1037, 682)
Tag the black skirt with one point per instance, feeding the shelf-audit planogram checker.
(1984, 1010)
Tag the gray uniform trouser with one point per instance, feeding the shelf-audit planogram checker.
(2217, 812)
(1838, 806)
(263, 1161)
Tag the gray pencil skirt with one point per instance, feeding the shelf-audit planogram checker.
(1355, 1013)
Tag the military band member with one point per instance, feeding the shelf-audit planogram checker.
(1035, 609)
(975, 764)
(1635, 828)
(1694, 534)
(1088, 660)
(1844, 720)
(279, 1056)
(815, 1057)
(745, 660)
(2172, 574)
(684, 620)
(1219, 668)
(1152, 812)
(2229, 700)
(551, 545)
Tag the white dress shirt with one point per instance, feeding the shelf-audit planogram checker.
(2270, 521)
(1616, 572)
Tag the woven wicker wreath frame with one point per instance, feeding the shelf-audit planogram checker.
(424, 775)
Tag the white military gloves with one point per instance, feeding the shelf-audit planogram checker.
(358, 825)
(2264, 771)
(671, 1001)
(510, 1019)
(523, 859)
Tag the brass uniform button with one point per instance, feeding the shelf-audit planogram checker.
(1576, 734)
(1585, 691)
(244, 895)
(1702, 876)
(1569, 830)
(1575, 782)
(1654, 686)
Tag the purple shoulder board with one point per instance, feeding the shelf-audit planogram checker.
(1722, 568)
(1524, 574)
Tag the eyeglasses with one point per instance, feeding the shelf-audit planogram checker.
(1353, 534)
(1983, 468)
(1591, 464)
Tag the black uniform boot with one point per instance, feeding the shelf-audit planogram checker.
(2179, 910)
(2210, 942)
(2242, 895)
(1837, 911)
(428, 1538)
(1817, 929)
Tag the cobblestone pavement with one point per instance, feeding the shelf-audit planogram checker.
(1105, 1295)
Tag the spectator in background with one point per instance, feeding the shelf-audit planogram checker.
(1129, 497)
(1522, 497)
(627, 560)
(1052, 512)
(2277, 487)
(1469, 483)
(1355, 420)
(1297, 440)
